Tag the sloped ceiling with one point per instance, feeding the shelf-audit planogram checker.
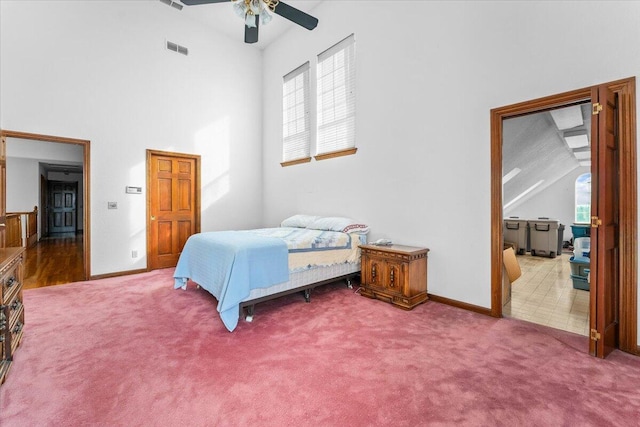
(534, 145)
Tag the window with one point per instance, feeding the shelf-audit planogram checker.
(295, 116)
(336, 99)
(583, 198)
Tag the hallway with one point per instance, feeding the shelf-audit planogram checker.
(54, 261)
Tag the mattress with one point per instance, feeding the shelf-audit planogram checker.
(302, 278)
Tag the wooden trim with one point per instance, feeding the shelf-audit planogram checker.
(333, 154)
(628, 225)
(625, 88)
(118, 274)
(86, 182)
(30, 236)
(460, 304)
(295, 162)
(21, 213)
(47, 138)
(13, 230)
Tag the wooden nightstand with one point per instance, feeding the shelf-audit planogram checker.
(396, 274)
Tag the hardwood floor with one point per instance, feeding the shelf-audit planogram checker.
(54, 261)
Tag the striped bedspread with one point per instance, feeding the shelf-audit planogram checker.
(311, 248)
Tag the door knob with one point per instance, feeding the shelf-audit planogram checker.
(153, 218)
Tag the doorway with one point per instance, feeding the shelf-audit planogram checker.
(86, 211)
(544, 155)
(62, 210)
(626, 291)
(173, 205)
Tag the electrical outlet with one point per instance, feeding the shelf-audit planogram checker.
(134, 254)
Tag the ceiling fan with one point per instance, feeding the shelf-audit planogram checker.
(254, 11)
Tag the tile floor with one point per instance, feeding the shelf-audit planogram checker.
(544, 294)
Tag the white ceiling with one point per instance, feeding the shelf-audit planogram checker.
(536, 154)
(222, 18)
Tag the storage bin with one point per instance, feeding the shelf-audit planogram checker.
(560, 238)
(580, 230)
(579, 265)
(580, 283)
(516, 230)
(582, 247)
(544, 237)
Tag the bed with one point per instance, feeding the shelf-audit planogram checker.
(244, 267)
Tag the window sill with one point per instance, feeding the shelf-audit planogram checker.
(295, 162)
(339, 153)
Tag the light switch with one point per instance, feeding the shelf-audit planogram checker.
(133, 190)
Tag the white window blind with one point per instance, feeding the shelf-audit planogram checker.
(296, 135)
(336, 97)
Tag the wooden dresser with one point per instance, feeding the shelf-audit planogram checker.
(396, 274)
(11, 307)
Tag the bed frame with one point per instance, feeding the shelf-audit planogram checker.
(303, 281)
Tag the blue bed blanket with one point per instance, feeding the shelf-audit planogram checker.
(229, 264)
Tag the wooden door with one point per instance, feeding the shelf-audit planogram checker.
(62, 206)
(173, 200)
(604, 277)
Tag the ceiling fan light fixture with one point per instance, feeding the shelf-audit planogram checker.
(240, 9)
(255, 7)
(249, 9)
(254, 11)
(265, 17)
(250, 20)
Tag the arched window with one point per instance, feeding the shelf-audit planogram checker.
(583, 198)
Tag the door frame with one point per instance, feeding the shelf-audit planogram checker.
(628, 265)
(44, 200)
(197, 196)
(86, 191)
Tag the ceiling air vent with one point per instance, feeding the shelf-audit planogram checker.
(177, 48)
(173, 4)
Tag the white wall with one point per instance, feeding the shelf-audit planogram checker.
(23, 178)
(99, 70)
(428, 74)
(556, 201)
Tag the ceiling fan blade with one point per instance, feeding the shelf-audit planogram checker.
(196, 2)
(251, 33)
(295, 15)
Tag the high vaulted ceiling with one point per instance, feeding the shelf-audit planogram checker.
(222, 18)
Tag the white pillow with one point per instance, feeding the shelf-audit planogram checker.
(336, 223)
(299, 221)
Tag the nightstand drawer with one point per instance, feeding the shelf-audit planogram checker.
(11, 302)
(11, 280)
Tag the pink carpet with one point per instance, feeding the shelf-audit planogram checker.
(132, 351)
